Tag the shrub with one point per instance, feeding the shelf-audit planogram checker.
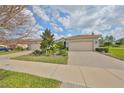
(37, 53)
(27, 48)
(115, 46)
(60, 45)
(63, 52)
(19, 48)
(102, 49)
(101, 45)
(107, 44)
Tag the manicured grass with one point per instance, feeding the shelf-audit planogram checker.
(47, 59)
(117, 53)
(7, 52)
(122, 46)
(10, 79)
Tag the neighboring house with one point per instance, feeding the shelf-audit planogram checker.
(24, 46)
(34, 44)
(82, 42)
(30, 43)
(24, 43)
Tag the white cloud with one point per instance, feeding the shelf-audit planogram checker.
(118, 33)
(87, 19)
(58, 36)
(57, 27)
(41, 13)
(89, 31)
(65, 21)
(36, 31)
(68, 35)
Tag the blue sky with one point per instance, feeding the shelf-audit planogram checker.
(70, 20)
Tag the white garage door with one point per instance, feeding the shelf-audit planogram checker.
(80, 46)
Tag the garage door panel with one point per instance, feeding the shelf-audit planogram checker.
(80, 46)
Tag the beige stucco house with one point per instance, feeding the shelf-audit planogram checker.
(30, 43)
(82, 42)
(24, 43)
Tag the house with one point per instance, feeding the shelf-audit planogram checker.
(24, 43)
(82, 42)
(34, 44)
(30, 43)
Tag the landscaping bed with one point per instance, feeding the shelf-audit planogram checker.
(10, 79)
(46, 59)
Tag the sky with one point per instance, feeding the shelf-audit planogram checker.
(69, 20)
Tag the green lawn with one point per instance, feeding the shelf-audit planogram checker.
(10, 79)
(122, 46)
(7, 52)
(47, 59)
(117, 53)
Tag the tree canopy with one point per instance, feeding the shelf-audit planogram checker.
(47, 40)
(16, 22)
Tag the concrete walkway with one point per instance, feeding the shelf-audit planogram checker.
(71, 75)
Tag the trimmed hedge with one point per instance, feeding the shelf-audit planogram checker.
(102, 49)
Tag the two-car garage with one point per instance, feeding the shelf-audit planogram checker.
(82, 42)
(81, 46)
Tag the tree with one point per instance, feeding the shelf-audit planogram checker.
(120, 41)
(47, 41)
(16, 22)
(7, 13)
(109, 40)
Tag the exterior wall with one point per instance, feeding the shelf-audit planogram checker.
(34, 46)
(82, 45)
(22, 45)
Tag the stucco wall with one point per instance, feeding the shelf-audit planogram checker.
(34, 46)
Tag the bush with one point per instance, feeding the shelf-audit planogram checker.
(101, 45)
(63, 52)
(37, 53)
(115, 45)
(19, 48)
(102, 49)
(60, 45)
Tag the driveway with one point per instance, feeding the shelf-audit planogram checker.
(94, 59)
(98, 70)
(85, 69)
